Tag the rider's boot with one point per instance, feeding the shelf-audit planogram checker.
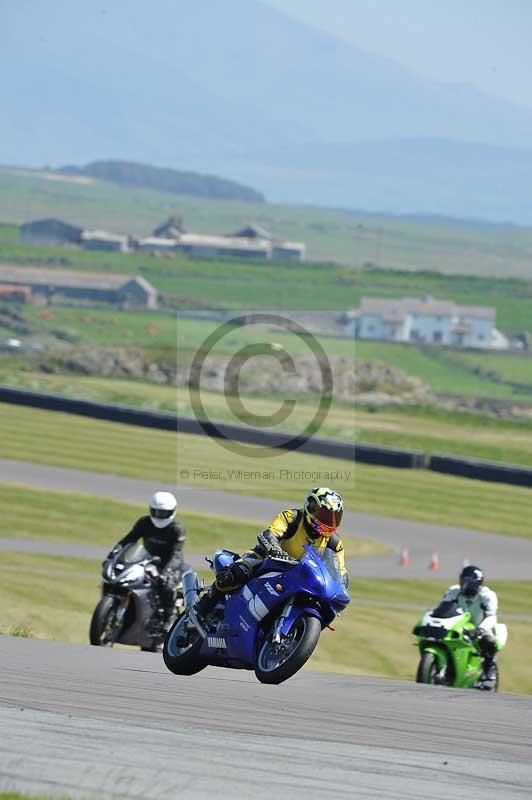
(207, 602)
(488, 679)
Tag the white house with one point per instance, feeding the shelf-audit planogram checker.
(425, 320)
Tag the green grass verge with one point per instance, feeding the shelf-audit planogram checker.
(47, 437)
(19, 796)
(460, 433)
(64, 516)
(429, 429)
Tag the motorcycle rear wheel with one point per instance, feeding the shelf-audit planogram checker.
(183, 659)
(100, 633)
(276, 663)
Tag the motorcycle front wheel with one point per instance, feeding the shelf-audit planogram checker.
(428, 670)
(181, 648)
(102, 632)
(278, 661)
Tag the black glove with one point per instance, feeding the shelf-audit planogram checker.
(269, 545)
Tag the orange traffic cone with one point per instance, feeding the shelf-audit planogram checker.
(434, 561)
(404, 557)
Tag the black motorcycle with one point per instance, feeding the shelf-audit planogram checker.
(130, 609)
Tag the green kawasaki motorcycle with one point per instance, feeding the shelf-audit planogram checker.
(448, 647)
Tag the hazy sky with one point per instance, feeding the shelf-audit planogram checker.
(484, 42)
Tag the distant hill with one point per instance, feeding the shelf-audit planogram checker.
(238, 88)
(129, 173)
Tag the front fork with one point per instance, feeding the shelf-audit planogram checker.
(289, 616)
(442, 658)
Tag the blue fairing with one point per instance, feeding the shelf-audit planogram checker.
(314, 585)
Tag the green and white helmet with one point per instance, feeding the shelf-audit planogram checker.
(324, 509)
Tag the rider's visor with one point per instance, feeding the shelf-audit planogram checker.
(161, 513)
(328, 519)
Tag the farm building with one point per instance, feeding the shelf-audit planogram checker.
(15, 294)
(252, 242)
(171, 229)
(200, 246)
(50, 231)
(253, 232)
(155, 244)
(425, 320)
(288, 251)
(280, 249)
(101, 240)
(52, 286)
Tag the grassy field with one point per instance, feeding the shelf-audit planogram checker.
(39, 436)
(53, 598)
(350, 237)
(71, 517)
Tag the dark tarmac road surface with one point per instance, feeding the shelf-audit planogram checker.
(95, 723)
(501, 557)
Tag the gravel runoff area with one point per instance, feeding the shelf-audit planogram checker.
(90, 722)
(502, 557)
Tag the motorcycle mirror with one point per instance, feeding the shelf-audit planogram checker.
(156, 560)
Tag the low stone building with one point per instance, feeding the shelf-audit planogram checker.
(280, 250)
(201, 246)
(156, 244)
(15, 293)
(101, 240)
(54, 286)
(171, 229)
(50, 232)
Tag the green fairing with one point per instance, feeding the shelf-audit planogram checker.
(449, 656)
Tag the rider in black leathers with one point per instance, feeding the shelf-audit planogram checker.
(162, 536)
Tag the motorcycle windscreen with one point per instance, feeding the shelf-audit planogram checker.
(331, 562)
(447, 609)
(133, 553)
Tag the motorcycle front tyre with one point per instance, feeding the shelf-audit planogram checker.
(428, 669)
(305, 644)
(99, 621)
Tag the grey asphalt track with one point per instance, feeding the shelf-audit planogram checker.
(87, 722)
(502, 557)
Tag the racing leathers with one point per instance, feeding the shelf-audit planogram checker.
(166, 543)
(483, 609)
(284, 537)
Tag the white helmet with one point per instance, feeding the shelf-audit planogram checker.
(162, 509)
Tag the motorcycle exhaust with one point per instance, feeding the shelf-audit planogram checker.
(191, 588)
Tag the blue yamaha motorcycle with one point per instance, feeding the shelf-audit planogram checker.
(270, 625)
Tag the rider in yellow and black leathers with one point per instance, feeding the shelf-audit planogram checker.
(315, 524)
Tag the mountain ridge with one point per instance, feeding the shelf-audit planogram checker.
(226, 88)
